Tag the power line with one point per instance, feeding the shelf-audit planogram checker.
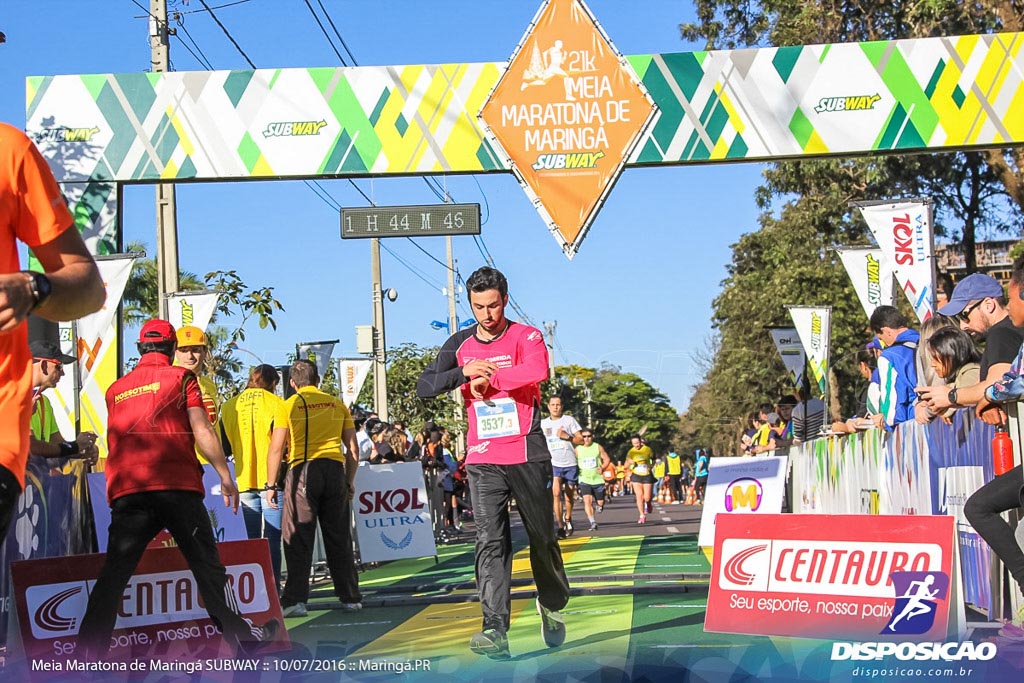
(205, 60)
(324, 31)
(230, 4)
(227, 33)
(337, 33)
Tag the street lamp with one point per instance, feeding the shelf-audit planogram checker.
(380, 376)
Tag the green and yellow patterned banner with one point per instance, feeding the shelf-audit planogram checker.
(755, 105)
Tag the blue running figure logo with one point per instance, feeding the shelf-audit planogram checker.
(917, 596)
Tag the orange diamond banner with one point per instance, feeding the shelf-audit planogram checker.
(567, 112)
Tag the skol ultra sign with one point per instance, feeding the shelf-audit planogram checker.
(567, 111)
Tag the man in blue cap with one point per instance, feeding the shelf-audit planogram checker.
(979, 306)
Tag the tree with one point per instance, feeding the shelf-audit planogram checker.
(140, 303)
(805, 212)
(405, 364)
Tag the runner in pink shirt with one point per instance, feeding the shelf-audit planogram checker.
(499, 365)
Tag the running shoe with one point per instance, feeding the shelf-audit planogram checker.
(642, 520)
(296, 610)
(262, 637)
(561, 533)
(552, 625)
(648, 506)
(351, 606)
(593, 526)
(490, 642)
(600, 508)
(568, 527)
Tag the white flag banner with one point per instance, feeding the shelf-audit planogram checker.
(64, 396)
(871, 275)
(814, 326)
(94, 330)
(787, 343)
(392, 512)
(319, 353)
(191, 308)
(351, 376)
(903, 231)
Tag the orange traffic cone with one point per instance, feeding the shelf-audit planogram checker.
(691, 498)
(667, 488)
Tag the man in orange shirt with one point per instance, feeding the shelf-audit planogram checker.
(33, 211)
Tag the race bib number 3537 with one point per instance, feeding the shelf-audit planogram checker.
(496, 418)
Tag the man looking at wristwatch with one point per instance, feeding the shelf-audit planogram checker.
(33, 211)
(979, 307)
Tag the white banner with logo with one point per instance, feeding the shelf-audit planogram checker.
(741, 486)
(191, 308)
(903, 231)
(814, 326)
(351, 375)
(871, 275)
(96, 350)
(392, 512)
(64, 397)
(787, 343)
(318, 352)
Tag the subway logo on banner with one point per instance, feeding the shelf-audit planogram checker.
(65, 134)
(851, 568)
(572, 160)
(850, 103)
(293, 128)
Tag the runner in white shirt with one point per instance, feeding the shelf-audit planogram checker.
(563, 434)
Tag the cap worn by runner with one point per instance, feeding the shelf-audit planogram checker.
(156, 330)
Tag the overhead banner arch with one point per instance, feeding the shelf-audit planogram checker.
(931, 94)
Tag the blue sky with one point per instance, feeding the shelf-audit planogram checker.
(638, 294)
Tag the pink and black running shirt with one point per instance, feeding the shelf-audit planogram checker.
(504, 427)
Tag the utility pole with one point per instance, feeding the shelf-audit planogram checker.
(453, 327)
(549, 331)
(380, 376)
(166, 206)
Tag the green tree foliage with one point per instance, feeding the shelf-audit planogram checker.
(806, 214)
(237, 301)
(405, 364)
(621, 404)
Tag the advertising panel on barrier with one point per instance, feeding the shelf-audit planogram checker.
(227, 526)
(839, 577)
(160, 617)
(741, 486)
(392, 513)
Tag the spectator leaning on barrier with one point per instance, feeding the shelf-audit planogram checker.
(979, 307)
(1006, 492)
(32, 211)
(808, 414)
(896, 369)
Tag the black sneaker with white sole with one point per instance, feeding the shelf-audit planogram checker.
(552, 625)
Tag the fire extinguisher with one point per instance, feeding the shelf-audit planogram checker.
(1002, 451)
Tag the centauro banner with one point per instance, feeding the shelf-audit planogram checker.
(903, 230)
(191, 308)
(787, 343)
(871, 275)
(934, 94)
(567, 111)
(814, 325)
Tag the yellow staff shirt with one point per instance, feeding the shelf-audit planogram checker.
(247, 421)
(328, 418)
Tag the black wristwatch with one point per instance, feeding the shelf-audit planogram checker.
(269, 487)
(952, 396)
(41, 287)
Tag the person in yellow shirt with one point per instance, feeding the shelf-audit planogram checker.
(321, 437)
(246, 424)
(192, 354)
(639, 463)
